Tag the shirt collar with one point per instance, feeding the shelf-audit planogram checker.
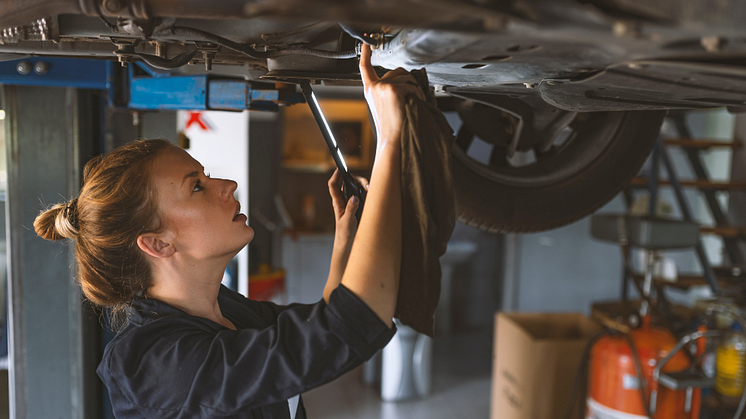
(145, 310)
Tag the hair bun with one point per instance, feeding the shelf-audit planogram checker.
(59, 222)
(71, 213)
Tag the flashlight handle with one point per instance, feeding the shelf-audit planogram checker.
(313, 105)
(350, 187)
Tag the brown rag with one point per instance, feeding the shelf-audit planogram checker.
(428, 207)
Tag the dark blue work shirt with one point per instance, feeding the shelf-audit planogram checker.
(168, 364)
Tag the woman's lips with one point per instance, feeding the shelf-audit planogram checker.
(238, 211)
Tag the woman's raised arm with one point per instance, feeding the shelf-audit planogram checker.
(372, 272)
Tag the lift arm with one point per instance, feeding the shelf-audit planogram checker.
(140, 87)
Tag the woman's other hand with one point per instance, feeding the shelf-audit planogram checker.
(344, 210)
(345, 229)
(386, 96)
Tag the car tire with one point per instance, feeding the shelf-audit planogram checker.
(497, 205)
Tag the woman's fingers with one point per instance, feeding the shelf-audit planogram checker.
(367, 72)
(361, 181)
(340, 203)
(335, 190)
(335, 182)
(346, 221)
(386, 96)
(352, 204)
(369, 76)
(398, 72)
(408, 89)
(402, 81)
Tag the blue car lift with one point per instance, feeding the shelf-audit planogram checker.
(140, 87)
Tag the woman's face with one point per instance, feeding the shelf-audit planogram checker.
(200, 212)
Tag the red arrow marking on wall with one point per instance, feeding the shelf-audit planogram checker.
(196, 118)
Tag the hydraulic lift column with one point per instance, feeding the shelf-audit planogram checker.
(48, 130)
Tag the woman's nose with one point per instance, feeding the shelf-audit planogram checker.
(229, 186)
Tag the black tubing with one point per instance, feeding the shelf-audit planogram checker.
(582, 372)
(342, 55)
(640, 378)
(250, 51)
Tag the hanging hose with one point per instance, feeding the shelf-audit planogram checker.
(640, 378)
(582, 373)
(249, 50)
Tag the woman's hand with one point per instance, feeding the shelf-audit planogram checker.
(386, 97)
(344, 210)
(344, 232)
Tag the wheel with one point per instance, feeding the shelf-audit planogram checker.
(521, 165)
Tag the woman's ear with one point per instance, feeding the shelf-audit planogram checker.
(152, 245)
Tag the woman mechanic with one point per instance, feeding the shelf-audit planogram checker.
(153, 236)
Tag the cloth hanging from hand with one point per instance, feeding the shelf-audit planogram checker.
(428, 207)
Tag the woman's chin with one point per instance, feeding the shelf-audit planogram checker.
(247, 238)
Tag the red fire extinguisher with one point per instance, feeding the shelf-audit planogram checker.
(614, 387)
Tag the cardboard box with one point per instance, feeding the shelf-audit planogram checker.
(536, 357)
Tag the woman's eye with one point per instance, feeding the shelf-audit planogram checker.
(198, 187)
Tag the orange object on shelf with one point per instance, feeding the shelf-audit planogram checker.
(613, 390)
(264, 286)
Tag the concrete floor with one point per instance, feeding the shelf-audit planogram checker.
(462, 368)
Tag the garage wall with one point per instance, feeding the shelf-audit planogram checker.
(565, 269)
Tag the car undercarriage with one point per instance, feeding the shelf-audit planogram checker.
(568, 94)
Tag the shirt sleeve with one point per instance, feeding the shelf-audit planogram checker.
(176, 370)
